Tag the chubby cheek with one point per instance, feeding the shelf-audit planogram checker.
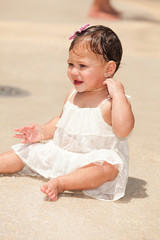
(69, 73)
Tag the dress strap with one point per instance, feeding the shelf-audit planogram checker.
(71, 94)
(105, 100)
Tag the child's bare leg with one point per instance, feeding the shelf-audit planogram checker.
(88, 177)
(10, 163)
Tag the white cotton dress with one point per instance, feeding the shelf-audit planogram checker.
(82, 137)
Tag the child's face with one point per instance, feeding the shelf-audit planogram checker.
(86, 70)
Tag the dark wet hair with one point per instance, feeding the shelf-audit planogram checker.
(103, 41)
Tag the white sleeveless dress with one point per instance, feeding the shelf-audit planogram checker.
(82, 137)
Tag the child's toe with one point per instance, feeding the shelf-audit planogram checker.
(51, 190)
(48, 191)
(50, 194)
(53, 197)
(43, 188)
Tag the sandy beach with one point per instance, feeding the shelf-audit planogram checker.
(33, 53)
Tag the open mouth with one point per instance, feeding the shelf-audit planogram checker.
(77, 82)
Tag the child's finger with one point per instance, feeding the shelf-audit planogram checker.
(105, 82)
(24, 128)
(32, 126)
(17, 129)
(21, 130)
(19, 136)
(28, 127)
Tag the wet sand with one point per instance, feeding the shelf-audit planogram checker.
(34, 47)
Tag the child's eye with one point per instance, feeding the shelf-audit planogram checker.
(70, 64)
(82, 66)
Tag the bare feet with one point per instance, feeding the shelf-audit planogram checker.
(104, 15)
(52, 188)
(104, 12)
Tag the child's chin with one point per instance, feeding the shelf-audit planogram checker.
(79, 88)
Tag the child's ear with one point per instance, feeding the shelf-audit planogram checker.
(110, 69)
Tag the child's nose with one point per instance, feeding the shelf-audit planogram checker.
(75, 71)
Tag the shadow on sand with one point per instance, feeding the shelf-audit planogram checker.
(10, 91)
(135, 189)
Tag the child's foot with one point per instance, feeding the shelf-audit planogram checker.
(102, 13)
(52, 188)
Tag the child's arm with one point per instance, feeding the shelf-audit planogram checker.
(48, 129)
(122, 115)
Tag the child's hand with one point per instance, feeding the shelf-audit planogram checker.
(30, 134)
(114, 87)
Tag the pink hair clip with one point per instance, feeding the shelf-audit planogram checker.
(80, 30)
